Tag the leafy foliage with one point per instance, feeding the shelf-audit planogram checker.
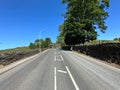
(32, 46)
(117, 39)
(41, 43)
(81, 20)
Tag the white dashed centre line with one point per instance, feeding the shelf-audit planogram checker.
(61, 58)
(55, 58)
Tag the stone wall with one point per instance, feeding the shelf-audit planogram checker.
(109, 52)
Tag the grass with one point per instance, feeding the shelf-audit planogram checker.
(15, 50)
(100, 42)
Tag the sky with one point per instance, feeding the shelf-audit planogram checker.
(21, 21)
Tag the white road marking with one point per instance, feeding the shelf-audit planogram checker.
(61, 71)
(55, 58)
(61, 58)
(55, 78)
(74, 83)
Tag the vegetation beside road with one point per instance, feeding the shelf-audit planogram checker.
(40, 43)
(82, 20)
(11, 55)
(101, 42)
(18, 49)
(109, 52)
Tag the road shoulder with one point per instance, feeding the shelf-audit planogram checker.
(101, 62)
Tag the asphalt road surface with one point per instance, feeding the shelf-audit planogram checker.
(60, 70)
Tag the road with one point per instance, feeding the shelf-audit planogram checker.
(60, 70)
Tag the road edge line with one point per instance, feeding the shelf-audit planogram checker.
(55, 78)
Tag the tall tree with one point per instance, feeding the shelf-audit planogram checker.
(48, 42)
(60, 40)
(82, 18)
(37, 43)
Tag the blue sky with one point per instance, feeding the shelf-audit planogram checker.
(22, 20)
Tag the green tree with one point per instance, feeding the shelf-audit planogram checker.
(47, 43)
(82, 18)
(42, 43)
(32, 46)
(117, 39)
(37, 43)
(60, 38)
